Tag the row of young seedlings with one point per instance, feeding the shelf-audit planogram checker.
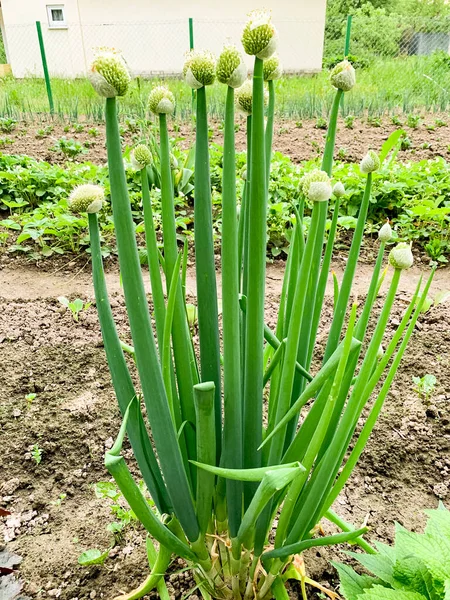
(220, 473)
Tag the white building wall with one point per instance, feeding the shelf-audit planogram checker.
(153, 34)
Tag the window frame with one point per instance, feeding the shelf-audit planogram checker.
(56, 24)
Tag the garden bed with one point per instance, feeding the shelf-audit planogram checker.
(299, 140)
(73, 417)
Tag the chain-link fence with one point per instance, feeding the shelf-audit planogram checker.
(152, 48)
(403, 62)
(375, 36)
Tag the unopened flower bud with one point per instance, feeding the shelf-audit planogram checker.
(343, 76)
(86, 198)
(199, 69)
(401, 256)
(244, 97)
(140, 157)
(109, 73)
(370, 163)
(161, 101)
(260, 37)
(272, 68)
(339, 189)
(231, 68)
(380, 352)
(385, 233)
(244, 173)
(317, 186)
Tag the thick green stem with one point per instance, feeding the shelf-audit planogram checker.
(208, 323)
(206, 451)
(349, 273)
(232, 427)
(182, 346)
(254, 336)
(316, 491)
(269, 129)
(141, 330)
(153, 261)
(323, 278)
(159, 567)
(123, 385)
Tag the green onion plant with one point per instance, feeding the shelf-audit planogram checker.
(245, 442)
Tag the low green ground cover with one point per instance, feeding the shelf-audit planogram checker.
(33, 200)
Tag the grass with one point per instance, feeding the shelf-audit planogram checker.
(387, 86)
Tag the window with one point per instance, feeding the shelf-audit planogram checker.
(56, 16)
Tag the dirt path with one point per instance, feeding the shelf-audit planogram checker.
(31, 284)
(56, 398)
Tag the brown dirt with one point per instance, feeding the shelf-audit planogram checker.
(301, 140)
(298, 140)
(405, 468)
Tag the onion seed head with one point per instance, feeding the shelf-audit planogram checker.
(343, 76)
(401, 256)
(140, 157)
(260, 37)
(231, 68)
(161, 101)
(86, 198)
(370, 163)
(109, 73)
(199, 68)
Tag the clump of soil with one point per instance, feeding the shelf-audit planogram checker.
(73, 417)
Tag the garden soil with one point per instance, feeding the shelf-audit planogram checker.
(72, 418)
(299, 140)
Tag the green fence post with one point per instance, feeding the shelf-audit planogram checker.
(45, 67)
(348, 33)
(191, 47)
(191, 33)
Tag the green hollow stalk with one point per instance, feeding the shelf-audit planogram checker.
(323, 278)
(254, 333)
(244, 251)
(141, 331)
(208, 323)
(360, 332)
(288, 272)
(166, 364)
(297, 248)
(232, 384)
(116, 465)
(334, 518)
(376, 409)
(343, 297)
(159, 562)
(316, 256)
(290, 356)
(271, 339)
(268, 140)
(349, 273)
(182, 346)
(317, 439)
(152, 257)
(299, 547)
(314, 496)
(311, 389)
(204, 394)
(122, 383)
